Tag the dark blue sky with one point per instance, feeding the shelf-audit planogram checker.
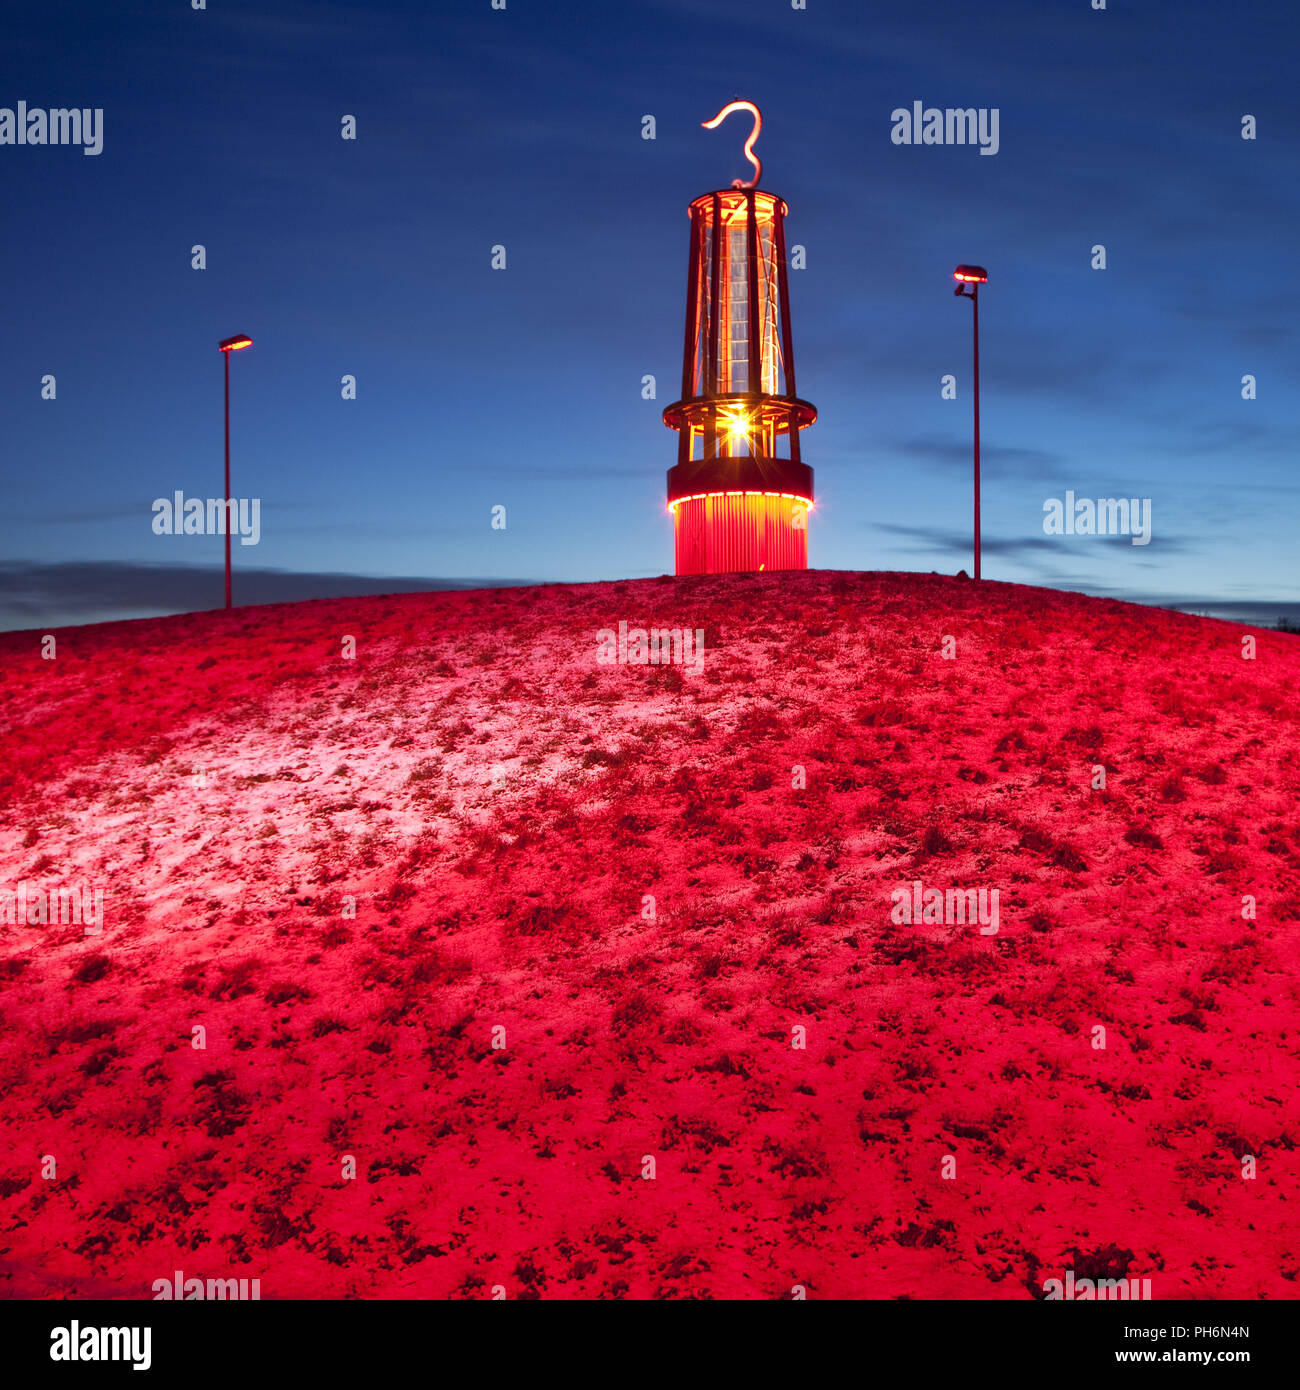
(523, 387)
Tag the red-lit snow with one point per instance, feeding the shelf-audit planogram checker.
(499, 805)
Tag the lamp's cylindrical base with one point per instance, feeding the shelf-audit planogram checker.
(723, 533)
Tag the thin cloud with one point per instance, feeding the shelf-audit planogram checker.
(1006, 460)
(31, 594)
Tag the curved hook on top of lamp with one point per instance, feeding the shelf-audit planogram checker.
(749, 144)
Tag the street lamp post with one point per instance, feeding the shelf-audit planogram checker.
(974, 276)
(226, 347)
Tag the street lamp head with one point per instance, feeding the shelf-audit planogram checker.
(240, 340)
(971, 274)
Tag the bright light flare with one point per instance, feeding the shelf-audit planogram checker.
(738, 425)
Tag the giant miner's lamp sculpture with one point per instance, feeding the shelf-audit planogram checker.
(738, 501)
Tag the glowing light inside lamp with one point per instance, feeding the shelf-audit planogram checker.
(738, 425)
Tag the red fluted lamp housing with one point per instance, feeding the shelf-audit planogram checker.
(740, 492)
